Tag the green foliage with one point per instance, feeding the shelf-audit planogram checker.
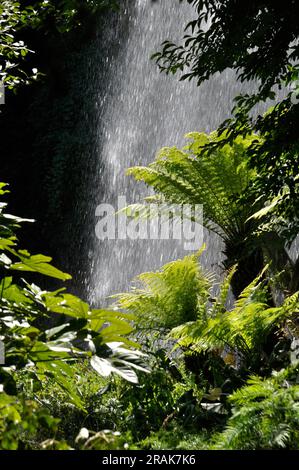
(134, 410)
(140, 413)
(61, 383)
(45, 351)
(168, 297)
(191, 176)
(212, 172)
(12, 50)
(220, 349)
(244, 330)
(177, 437)
(275, 159)
(103, 440)
(216, 180)
(185, 401)
(259, 41)
(179, 296)
(67, 15)
(147, 405)
(101, 407)
(49, 16)
(265, 414)
(20, 418)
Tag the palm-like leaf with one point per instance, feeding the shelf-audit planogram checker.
(215, 180)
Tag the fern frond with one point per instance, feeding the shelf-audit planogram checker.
(169, 297)
(266, 414)
(244, 328)
(219, 306)
(194, 176)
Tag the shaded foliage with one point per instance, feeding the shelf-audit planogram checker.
(43, 350)
(48, 17)
(265, 414)
(258, 39)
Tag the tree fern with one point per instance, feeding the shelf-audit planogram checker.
(216, 179)
(179, 297)
(265, 412)
(192, 176)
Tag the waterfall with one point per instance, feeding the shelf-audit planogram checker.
(138, 111)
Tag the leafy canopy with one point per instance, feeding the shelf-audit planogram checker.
(216, 179)
(256, 38)
(259, 40)
(50, 17)
(178, 300)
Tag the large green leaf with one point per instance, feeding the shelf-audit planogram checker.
(66, 304)
(37, 263)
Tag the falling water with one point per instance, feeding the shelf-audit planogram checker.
(138, 111)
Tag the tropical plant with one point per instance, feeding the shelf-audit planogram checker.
(45, 332)
(259, 41)
(215, 180)
(244, 331)
(219, 180)
(12, 51)
(20, 417)
(265, 414)
(213, 353)
(145, 407)
(168, 297)
(179, 297)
